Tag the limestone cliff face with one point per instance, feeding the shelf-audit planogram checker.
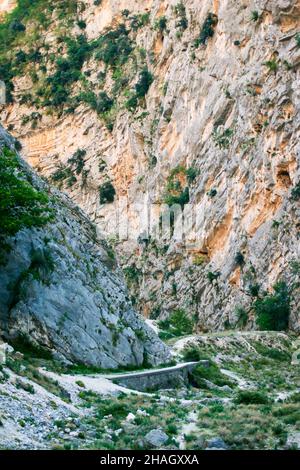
(224, 103)
(60, 289)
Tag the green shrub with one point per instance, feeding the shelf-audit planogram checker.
(273, 310)
(68, 70)
(212, 193)
(21, 205)
(297, 39)
(27, 387)
(191, 353)
(272, 65)
(223, 139)
(182, 198)
(212, 276)
(115, 47)
(132, 102)
(295, 397)
(81, 24)
(13, 29)
(239, 259)
(141, 89)
(176, 193)
(208, 29)
(272, 353)
(247, 397)
(61, 174)
(132, 274)
(104, 103)
(172, 429)
(242, 316)
(191, 174)
(295, 267)
(138, 21)
(80, 383)
(42, 262)
(295, 194)
(180, 11)
(107, 193)
(160, 24)
(145, 80)
(77, 161)
(255, 15)
(211, 373)
(177, 324)
(118, 410)
(254, 290)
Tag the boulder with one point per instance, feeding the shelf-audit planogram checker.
(156, 438)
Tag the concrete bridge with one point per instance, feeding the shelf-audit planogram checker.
(156, 379)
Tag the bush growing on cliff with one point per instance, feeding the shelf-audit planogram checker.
(21, 205)
(177, 191)
(208, 29)
(138, 21)
(132, 274)
(191, 174)
(295, 194)
(77, 161)
(114, 47)
(13, 32)
(273, 310)
(182, 198)
(212, 276)
(107, 193)
(272, 65)
(160, 24)
(68, 71)
(223, 139)
(180, 11)
(141, 89)
(255, 15)
(145, 80)
(104, 103)
(239, 259)
(242, 316)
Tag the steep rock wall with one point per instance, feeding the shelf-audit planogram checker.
(230, 110)
(61, 290)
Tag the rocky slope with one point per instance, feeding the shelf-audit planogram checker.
(61, 290)
(247, 399)
(198, 95)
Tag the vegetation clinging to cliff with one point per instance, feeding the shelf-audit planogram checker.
(273, 310)
(21, 205)
(13, 33)
(208, 29)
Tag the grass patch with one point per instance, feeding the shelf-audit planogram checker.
(248, 397)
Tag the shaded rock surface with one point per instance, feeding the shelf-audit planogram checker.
(74, 303)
